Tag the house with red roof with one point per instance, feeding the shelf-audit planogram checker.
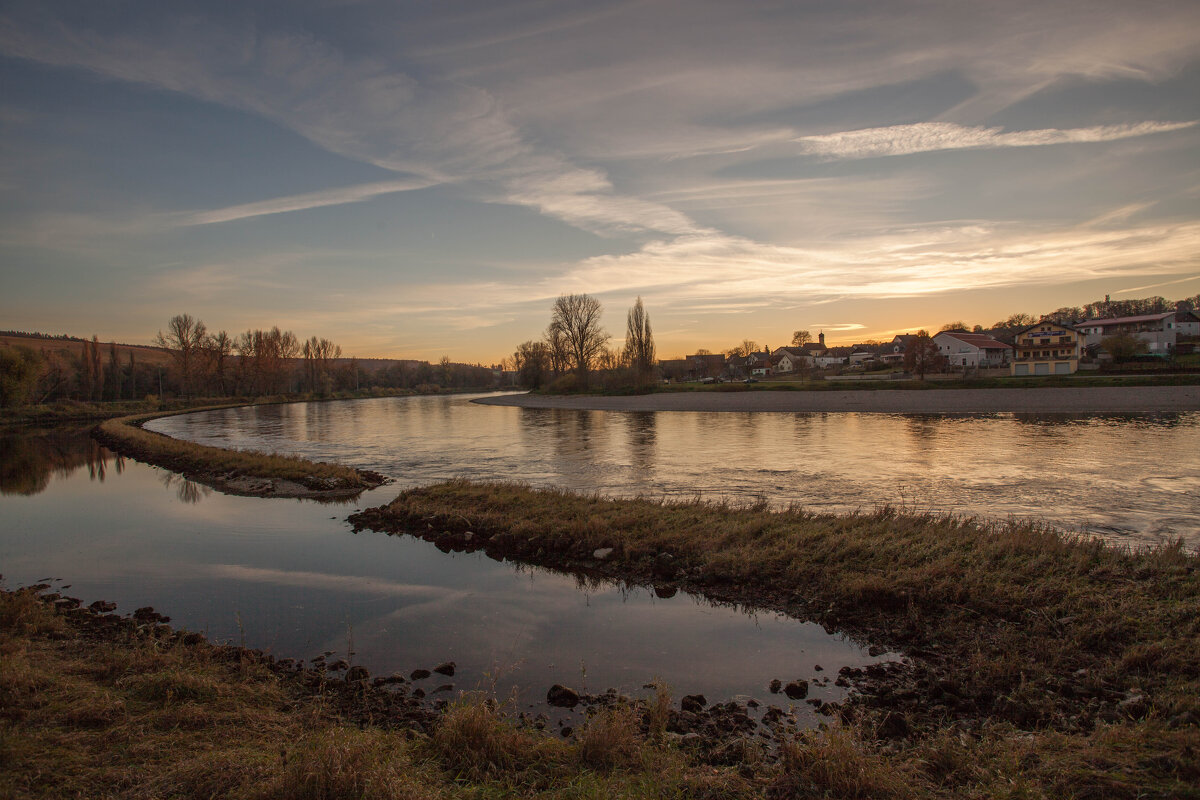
(962, 349)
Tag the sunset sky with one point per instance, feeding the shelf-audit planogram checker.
(418, 179)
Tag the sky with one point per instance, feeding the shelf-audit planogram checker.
(423, 179)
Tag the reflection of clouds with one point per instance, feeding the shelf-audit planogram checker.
(339, 583)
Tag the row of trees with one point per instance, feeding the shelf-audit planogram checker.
(575, 346)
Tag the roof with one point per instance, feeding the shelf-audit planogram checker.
(794, 352)
(813, 346)
(1186, 316)
(1122, 320)
(980, 340)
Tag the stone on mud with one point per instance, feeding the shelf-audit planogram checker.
(562, 697)
(693, 702)
(797, 690)
(445, 668)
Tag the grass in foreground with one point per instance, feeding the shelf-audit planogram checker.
(140, 714)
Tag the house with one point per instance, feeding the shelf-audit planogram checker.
(962, 349)
(900, 343)
(760, 370)
(1187, 323)
(1046, 348)
(1156, 330)
(860, 356)
(705, 365)
(790, 359)
(833, 357)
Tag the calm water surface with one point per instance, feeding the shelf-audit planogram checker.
(292, 577)
(1130, 478)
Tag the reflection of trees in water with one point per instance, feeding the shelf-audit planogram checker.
(29, 458)
(643, 439)
(187, 491)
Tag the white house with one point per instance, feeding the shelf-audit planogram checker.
(972, 349)
(790, 359)
(1156, 330)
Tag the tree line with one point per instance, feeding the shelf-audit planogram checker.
(204, 363)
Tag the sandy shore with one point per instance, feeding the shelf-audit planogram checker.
(1132, 399)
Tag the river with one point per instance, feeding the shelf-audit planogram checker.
(290, 576)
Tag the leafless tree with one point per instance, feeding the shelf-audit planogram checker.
(531, 361)
(218, 348)
(184, 339)
(801, 338)
(639, 342)
(742, 350)
(577, 318)
(319, 355)
(922, 355)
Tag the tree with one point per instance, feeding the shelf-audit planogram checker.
(531, 362)
(577, 318)
(19, 371)
(1123, 346)
(639, 343)
(801, 338)
(318, 357)
(922, 355)
(954, 326)
(185, 340)
(218, 348)
(742, 350)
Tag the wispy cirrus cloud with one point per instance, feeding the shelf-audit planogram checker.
(926, 137)
(301, 202)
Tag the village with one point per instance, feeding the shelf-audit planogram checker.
(1046, 347)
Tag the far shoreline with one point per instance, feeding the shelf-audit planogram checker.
(1050, 400)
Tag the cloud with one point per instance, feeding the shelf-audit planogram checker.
(925, 137)
(301, 202)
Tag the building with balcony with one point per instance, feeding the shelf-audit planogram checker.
(1046, 348)
(1156, 330)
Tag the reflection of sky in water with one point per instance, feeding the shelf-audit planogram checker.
(1131, 478)
(290, 576)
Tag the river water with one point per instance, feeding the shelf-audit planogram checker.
(291, 576)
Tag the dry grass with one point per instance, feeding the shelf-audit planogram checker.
(196, 460)
(87, 716)
(1040, 636)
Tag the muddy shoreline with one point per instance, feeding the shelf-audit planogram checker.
(1092, 400)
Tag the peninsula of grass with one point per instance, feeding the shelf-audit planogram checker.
(1068, 667)
(243, 472)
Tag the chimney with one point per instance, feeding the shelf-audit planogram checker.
(821, 338)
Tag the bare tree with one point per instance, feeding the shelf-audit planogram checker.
(577, 318)
(184, 339)
(639, 342)
(531, 361)
(318, 357)
(742, 350)
(922, 355)
(958, 325)
(218, 348)
(801, 338)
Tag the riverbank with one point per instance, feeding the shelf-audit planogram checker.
(1057, 400)
(97, 705)
(1062, 666)
(239, 472)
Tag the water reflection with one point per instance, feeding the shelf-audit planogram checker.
(1109, 475)
(29, 457)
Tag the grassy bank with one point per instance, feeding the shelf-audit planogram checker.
(95, 706)
(1065, 667)
(234, 471)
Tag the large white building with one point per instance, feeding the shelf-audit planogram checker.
(1158, 331)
